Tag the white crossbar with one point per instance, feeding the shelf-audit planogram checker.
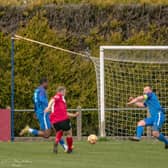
(134, 47)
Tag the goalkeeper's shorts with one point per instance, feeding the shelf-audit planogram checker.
(156, 122)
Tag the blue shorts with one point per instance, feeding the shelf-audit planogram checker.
(156, 122)
(44, 121)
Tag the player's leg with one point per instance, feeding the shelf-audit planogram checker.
(140, 128)
(69, 140)
(157, 125)
(32, 131)
(160, 137)
(66, 127)
(59, 140)
(68, 131)
(45, 127)
(35, 132)
(58, 137)
(45, 131)
(62, 142)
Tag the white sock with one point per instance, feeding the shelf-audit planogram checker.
(30, 130)
(66, 147)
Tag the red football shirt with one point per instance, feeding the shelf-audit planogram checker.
(59, 110)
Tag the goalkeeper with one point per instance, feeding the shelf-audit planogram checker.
(150, 100)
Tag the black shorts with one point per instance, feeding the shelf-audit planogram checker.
(63, 125)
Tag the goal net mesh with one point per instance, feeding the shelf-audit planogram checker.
(126, 72)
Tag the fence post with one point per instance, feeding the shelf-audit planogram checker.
(79, 124)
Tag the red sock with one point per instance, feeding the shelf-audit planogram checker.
(58, 136)
(69, 142)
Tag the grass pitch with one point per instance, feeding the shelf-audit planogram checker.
(110, 154)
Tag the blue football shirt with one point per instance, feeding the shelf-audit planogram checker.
(40, 100)
(153, 104)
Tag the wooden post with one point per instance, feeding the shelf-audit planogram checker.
(79, 124)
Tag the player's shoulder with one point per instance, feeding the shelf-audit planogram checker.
(41, 89)
(57, 96)
(152, 96)
(36, 90)
(155, 96)
(148, 96)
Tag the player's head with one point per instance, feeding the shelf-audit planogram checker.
(147, 89)
(44, 82)
(62, 90)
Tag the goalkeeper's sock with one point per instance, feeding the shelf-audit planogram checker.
(33, 131)
(162, 138)
(62, 143)
(139, 131)
(58, 136)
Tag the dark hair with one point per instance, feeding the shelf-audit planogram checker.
(61, 88)
(43, 80)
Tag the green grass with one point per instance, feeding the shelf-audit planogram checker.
(110, 154)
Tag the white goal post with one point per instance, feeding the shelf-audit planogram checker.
(146, 57)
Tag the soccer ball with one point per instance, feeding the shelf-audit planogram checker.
(92, 139)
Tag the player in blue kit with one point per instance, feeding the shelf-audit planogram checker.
(150, 100)
(40, 100)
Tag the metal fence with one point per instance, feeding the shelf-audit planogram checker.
(88, 120)
(86, 123)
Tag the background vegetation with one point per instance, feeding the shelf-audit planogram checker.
(95, 2)
(76, 27)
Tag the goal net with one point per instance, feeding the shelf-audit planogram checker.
(122, 72)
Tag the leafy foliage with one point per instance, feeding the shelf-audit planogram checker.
(95, 2)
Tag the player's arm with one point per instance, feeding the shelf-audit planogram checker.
(73, 114)
(139, 104)
(48, 108)
(138, 101)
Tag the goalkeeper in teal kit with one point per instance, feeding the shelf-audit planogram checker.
(156, 121)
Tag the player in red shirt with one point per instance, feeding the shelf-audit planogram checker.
(59, 117)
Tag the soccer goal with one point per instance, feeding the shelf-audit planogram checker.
(123, 71)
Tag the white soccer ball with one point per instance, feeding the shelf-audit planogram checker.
(92, 139)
